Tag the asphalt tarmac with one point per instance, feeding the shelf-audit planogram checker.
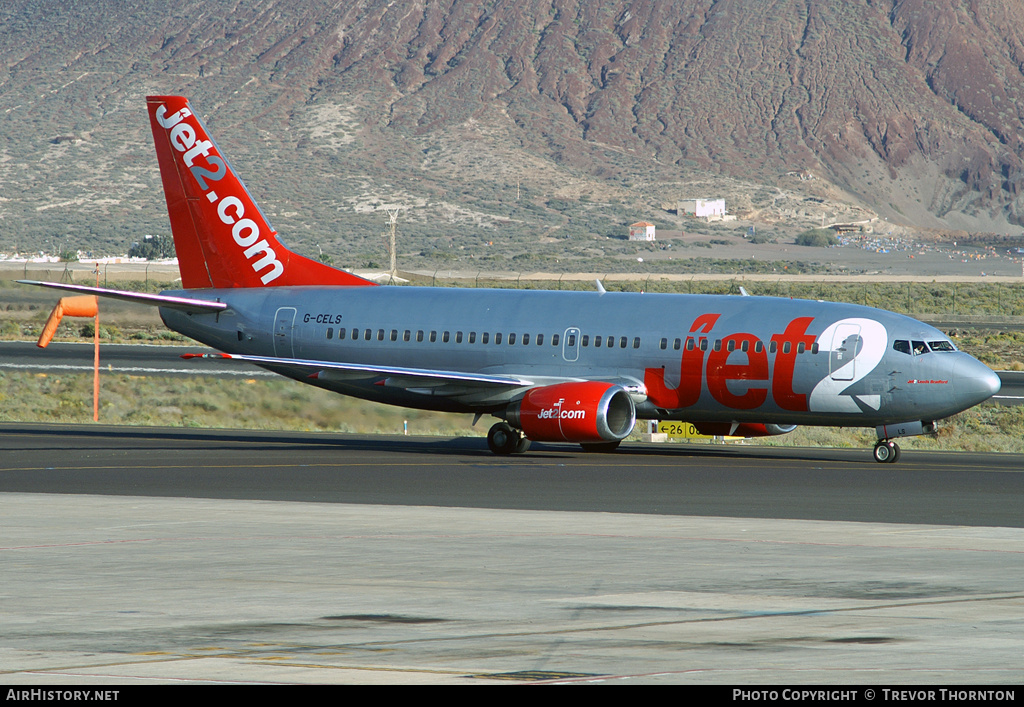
(138, 556)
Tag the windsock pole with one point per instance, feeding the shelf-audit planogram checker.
(96, 356)
(79, 306)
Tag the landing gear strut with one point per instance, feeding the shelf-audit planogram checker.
(887, 451)
(503, 439)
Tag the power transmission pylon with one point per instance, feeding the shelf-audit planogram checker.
(389, 242)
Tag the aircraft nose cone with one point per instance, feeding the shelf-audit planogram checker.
(975, 382)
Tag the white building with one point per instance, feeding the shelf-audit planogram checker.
(702, 208)
(641, 231)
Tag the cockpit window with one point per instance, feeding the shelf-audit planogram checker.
(917, 348)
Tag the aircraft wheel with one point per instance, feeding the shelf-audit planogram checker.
(599, 447)
(887, 452)
(896, 453)
(524, 444)
(503, 439)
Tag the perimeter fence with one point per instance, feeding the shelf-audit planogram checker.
(991, 297)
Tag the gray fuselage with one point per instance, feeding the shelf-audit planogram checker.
(791, 361)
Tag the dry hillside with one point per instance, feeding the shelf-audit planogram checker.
(515, 122)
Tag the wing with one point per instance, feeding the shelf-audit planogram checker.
(417, 380)
(473, 389)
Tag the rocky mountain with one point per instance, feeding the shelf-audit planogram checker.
(531, 120)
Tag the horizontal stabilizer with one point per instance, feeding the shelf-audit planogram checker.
(185, 304)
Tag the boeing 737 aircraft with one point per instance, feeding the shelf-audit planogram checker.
(577, 367)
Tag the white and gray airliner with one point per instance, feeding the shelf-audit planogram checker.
(578, 367)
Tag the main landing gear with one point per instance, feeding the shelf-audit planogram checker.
(887, 452)
(503, 439)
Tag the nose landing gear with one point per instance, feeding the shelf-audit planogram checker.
(887, 452)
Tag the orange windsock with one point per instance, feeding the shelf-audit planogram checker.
(79, 306)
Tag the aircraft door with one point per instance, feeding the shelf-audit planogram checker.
(284, 325)
(571, 344)
(846, 343)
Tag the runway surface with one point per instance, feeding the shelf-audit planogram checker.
(134, 555)
(719, 480)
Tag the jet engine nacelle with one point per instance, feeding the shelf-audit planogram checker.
(588, 411)
(742, 429)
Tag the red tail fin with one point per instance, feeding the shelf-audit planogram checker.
(221, 236)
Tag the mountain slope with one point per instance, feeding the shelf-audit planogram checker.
(554, 118)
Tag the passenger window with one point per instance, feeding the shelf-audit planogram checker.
(622, 342)
(664, 344)
(406, 335)
(597, 342)
(554, 339)
(341, 334)
(676, 344)
(571, 339)
(585, 340)
(367, 334)
(433, 336)
(511, 339)
(636, 342)
(394, 334)
(330, 332)
(485, 338)
(380, 335)
(540, 339)
(419, 335)
(497, 338)
(458, 337)
(472, 337)
(444, 337)
(801, 347)
(526, 340)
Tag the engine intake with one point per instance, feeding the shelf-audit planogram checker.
(588, 411)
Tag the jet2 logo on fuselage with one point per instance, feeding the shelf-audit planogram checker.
(230, 209)
(703, 367)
